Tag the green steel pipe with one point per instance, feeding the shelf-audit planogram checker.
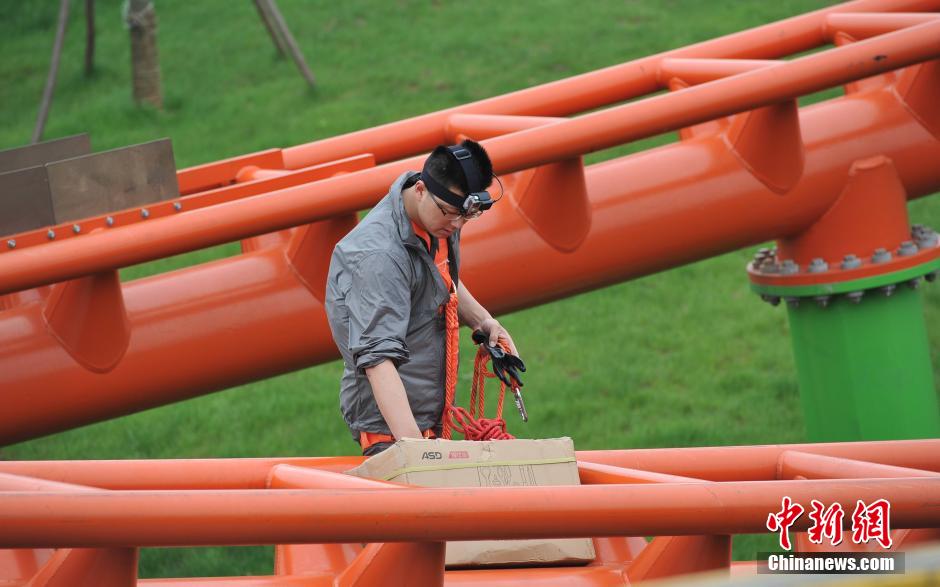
(864, 368)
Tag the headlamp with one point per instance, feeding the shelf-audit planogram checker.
(476, 201)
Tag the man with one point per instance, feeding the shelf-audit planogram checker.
(389, 282)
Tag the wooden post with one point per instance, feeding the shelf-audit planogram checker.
(89, 37)
(277, 20)
(272, 29)
(53, 72)
(141, 18)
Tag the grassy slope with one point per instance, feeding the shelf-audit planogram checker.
(688, 357)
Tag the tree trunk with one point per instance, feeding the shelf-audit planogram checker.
(141, 19)
(89, 37)
(49, 90)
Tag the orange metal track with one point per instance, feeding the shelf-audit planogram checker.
(99, 513)
(91, 348)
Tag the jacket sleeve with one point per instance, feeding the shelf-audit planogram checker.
(379, 304)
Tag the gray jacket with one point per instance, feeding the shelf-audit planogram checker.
(383, 294)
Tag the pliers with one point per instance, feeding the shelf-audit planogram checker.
(506, 366)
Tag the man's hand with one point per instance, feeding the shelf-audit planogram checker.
(495, 331)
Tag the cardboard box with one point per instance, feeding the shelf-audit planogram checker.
(499, 463)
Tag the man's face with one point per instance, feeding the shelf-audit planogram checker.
(439, 218)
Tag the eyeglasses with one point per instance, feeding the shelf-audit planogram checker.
(454, 215)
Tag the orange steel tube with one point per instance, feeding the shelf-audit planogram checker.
(810, 466)
(594, 89)
(57, 261)
(862, 26)
(174, 518)
(719, 463)
(175, 318)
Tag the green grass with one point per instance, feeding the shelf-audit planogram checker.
(687, 357)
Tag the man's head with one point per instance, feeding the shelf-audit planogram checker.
(451, 188)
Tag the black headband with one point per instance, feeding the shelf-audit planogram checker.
(470, 172)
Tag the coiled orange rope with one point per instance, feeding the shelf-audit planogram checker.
(473, 425)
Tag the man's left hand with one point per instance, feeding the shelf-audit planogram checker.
(495, 331)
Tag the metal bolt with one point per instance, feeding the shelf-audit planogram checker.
(50, 234)
(109, 220)
(76, 228)
(792, 301)
(772, 300)
(907, 249)
(881, 256)
(817, 265)
(770, 268)
(850, 261)
(822, 301)
(177, 206)
(931, 276)
(144, 213)
(888, 290)
(789, 267)
(11, 243)
(927, 240)
(855, 296)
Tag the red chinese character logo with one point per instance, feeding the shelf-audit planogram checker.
(872, 521)
(826, 522)
(781, 521)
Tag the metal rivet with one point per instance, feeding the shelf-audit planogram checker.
(770, 268)
(914, 283)
(177, 206)
(927, 240)
(850, 261)
(144, 213)
(51, 234)
(76, 228)
(109, 220)
(788, 267)
(907, 248)
(855, 296)
(11, 243)
(888, 290)
(822, 301)
(792, 302)
(881, 256)
(817, 265)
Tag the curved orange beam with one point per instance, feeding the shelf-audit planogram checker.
(715, 463)
(192, 518)
(188, 327)
(592, 90)
(108, 249)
